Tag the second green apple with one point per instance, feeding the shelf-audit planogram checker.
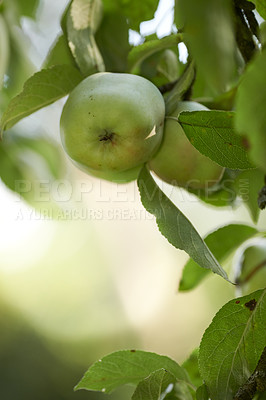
(178, 162)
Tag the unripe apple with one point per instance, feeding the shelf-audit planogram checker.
(178, 162)
(112, 124)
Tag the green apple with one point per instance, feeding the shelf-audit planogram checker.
(112, 124)
(177, 161)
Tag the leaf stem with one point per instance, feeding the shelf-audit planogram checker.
(251, 273)
(170, 117)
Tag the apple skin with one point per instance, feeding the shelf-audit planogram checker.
(112, 124)
(117, 177)
(178, 162)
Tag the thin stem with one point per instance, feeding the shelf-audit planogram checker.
(170, 117)
(252, 273)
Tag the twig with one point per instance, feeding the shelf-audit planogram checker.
(251, 273)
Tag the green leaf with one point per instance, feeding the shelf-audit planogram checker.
(221, 243)
(28, 7)
(86, 14)
(232, 345)
(135, 11)
(181, 391)
(47, 150)
(83, 19)
(250, 118)
(202, 393)
(155, 386)
(248, 184)
(180, 88)
(114, 55)
(59, 53)
(26, 164)
(168, 65)
(172, 224)
(222, 194)
(11, 171)
(145, 50)
(161, 67)
(171, 396)
(20, 68)
(63, 19)
(192, 367)
(4, 49)
(262, 34)
(223, 197)
(261, 396)
(40, 90)
(212, 133)
(161, 385)
(261, 7)
(209, 33)
(127, 367)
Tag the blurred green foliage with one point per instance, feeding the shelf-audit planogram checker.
(30, 369)
(24, 160)
(31, 365)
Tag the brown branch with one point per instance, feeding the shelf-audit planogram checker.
(256, 382)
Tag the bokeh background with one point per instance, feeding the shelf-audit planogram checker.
(84, 270)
